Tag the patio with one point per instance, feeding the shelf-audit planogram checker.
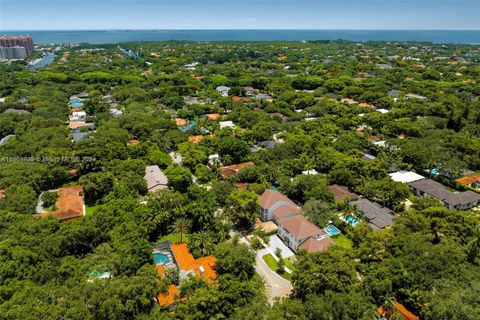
(275, 242)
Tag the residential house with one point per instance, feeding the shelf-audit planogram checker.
(472, 181)
(195, 138)
(78, 116)
(263, 96)
(240, 99)
(368, 157)
(316, 244)
(180, 258)
(192, 101)
(272, 200)
(394, 93)
(213, 116)
(74, 125)
(69, 204)
(115, 112)
(5, 139)
(415, 96)
(451, 200)
(223, 90)
(249, 91)
(310, 172)
(155, 178)
(180, 122)
(400, 308)
(405, 176)
(295, 230)
(378, 217)
(228, 171)
(226, 124)
(341, 193)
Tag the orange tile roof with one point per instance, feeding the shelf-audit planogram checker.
(402, 310)
(269, 197)
(469, 179)
(285, 212)
(133, 143)
(349, 101)
(213, 116)
(195, 139)
(316, 245)
(69, 203)
(78, 124)
(2, 194)
(300, 227)
(228, 171)
(160, 270)
(186, 262)
(180, 121)
(239, 99)
(241, 186)
(366, 105)
(166, 299)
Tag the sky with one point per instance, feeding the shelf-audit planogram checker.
(238, 14)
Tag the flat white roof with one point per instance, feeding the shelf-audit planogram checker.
(310, 172)
(405, 176)
(226, 124)
(382, 110)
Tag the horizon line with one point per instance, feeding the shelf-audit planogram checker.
(237, 29)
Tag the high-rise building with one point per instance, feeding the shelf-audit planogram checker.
(12, 53)
(17, 41)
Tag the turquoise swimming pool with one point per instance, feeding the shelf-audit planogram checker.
(332, 230)
(160, 258)
(76, 104)
(351, 220)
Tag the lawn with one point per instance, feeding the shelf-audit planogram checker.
(89, 210)
(273, 264)
(289, 264)
(174, 238)
(342, 241)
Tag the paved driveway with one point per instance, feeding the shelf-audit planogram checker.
(276, 286)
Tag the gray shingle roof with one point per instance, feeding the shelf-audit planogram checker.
(438, 190)
(378, 217)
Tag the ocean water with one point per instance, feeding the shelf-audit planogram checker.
(117, 36)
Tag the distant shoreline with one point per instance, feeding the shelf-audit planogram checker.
(108, 36)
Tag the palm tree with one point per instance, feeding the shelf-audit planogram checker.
(202, 240)
(181, 226)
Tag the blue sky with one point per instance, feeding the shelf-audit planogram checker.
(236, 14)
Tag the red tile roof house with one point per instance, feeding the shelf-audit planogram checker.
(293, 228)
(270, 201)
(296, 230)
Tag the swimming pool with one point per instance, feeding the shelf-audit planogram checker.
(160, 258)
(76, 104)
(332, 230)
(351, 220)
